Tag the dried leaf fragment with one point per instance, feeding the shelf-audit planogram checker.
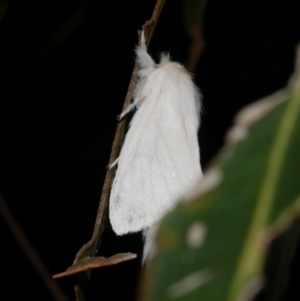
(95, 262)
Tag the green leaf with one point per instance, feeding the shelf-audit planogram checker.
(214, 248)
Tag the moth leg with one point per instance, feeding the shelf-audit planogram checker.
(110, 166)
(126, 111)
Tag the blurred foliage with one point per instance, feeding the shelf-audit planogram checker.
(214, 247)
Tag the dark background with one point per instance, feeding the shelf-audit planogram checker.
(64, 72)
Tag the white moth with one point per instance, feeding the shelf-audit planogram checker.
(160, 157)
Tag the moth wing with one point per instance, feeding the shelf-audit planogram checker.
(159, 159)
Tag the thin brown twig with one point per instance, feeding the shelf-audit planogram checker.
(95, 262)
(90, 248)
(148, 27)
(31, 254)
